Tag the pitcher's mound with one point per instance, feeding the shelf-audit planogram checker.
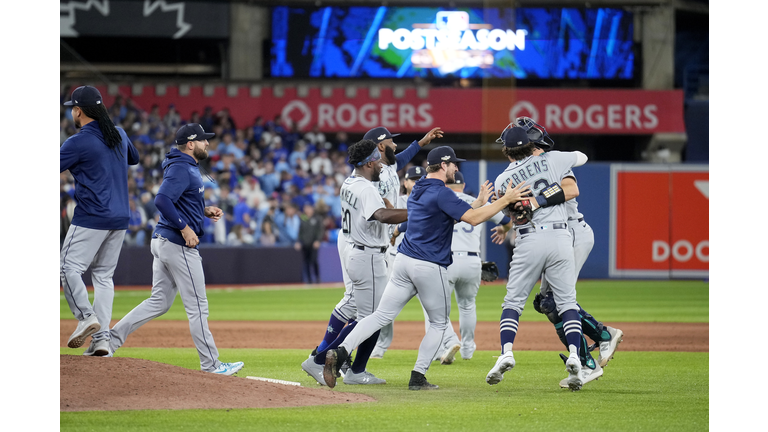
(109, 384)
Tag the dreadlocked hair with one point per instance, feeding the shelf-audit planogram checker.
(108, 129)
(360, 150)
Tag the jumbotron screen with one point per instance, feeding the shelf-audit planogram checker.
(407, 42)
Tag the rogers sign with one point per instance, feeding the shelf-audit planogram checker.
(591, 111)
(350, 116)
(597, 117)
(456, 110)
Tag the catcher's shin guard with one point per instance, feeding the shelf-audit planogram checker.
(593, 328)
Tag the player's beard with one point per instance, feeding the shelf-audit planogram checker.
(389, 155)
(376, 176)
(200, 154)
(450, 177)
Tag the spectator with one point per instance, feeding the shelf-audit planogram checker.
(172, 119)
(311, 233)
(239, 236)
(268, 237)
(135, 234)
(321, 165)
(288, 222)
(316, 137)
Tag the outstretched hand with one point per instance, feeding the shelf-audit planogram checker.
(486, 191)
(515, 194)
(499, 235)
(434, 133)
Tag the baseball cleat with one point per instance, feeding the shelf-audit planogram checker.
(450, 354)
(84, 329)
(314, 370)
(333, 361)
(98, 349)
(229, 368)
(608, 348)
(573, 367)
(504, 363)
(586, 375)
(419, 382)
(363, 378)
(377, 354)
(343, 369)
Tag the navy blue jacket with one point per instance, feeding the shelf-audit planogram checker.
(432, 210)
(183, 185)
(101, 177)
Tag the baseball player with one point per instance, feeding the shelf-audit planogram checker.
(543, 244)
(464, 278)
(345, 311)
(389, 187)
(364, 220)
(98, 158)
(177, 265)
(421, 262)
(606, 337)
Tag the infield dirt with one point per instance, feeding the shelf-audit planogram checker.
(132, 384)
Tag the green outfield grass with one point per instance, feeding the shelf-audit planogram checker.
(658, 391)
(612, 301)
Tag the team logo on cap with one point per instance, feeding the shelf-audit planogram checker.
(418, 170)
(191, 137)
(446, 157)
(381, 137)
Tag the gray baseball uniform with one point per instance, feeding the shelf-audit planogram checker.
(546, 243)
(432, 218)
(464, 280)
(345, 310)
(177, 267)
(366, 262)
(99, 165)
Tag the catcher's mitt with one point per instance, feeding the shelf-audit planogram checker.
(522, 212)
(489, 271)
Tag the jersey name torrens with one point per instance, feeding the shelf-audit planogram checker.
(530, 170)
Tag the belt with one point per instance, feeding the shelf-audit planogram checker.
(465, 253)
(553, 226)
(362, 248)
(581, 219)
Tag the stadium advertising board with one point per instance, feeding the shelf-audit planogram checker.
(455, 110)
(659, 221)
(406, 42)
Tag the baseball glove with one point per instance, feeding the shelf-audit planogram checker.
(522, 212)
(489, 271)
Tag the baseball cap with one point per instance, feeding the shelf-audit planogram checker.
(458, 178)
(378, 134)
(415, 173)
(192, 132)
(85, 96)
(442, 154)
(515, 137)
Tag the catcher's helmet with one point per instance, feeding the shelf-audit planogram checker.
(536, 132)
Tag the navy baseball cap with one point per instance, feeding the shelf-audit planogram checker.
(515, 137)
(458, 178)
(192, 132)
(85, 96)
(415, 173)
(378, 134)
(442, 154)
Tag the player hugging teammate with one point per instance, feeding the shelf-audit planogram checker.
(552, 244)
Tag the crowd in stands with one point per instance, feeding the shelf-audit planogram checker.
(268, 177)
